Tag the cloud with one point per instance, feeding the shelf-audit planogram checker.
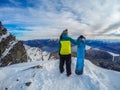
(113, 26)
(47, 18)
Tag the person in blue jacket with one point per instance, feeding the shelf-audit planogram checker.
(65, 52)
(80, 54)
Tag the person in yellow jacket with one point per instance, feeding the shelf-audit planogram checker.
(65, 52)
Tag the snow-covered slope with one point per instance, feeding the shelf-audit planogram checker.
(22, 77)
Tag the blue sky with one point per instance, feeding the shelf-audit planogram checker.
(41, 19)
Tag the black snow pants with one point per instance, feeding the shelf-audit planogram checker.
(65, 59)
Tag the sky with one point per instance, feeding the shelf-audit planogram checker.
(46, 19)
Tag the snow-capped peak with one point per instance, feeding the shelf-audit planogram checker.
(36, 54)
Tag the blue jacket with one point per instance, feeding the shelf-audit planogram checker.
(66, 37)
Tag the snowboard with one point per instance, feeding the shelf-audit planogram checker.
(80, 57)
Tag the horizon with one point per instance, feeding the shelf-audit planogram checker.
(107, 40)
(41, 19)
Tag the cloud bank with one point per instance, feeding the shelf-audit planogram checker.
(40, 19)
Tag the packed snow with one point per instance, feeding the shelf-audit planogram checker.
(25, 77)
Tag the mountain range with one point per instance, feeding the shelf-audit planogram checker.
(51, 45)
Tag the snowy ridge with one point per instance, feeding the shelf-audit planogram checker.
(49, 78)
(4, 36)
(11, 45)
(35, 54)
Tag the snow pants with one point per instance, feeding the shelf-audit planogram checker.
(65, 59)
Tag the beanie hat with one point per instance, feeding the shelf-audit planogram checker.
(65, 31)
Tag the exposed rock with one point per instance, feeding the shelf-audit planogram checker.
(103, 59)
(110, 65)
(6, 88)
(53, 55)
(11, 50)
(94, 54)
(117, 58)
(6, 42)
(17, 79)
(28, 83)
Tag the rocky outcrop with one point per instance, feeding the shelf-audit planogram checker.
(95, 54)
(110, 65)
(103, 59)
(11, 50)
(36, 54)
(116, 58)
